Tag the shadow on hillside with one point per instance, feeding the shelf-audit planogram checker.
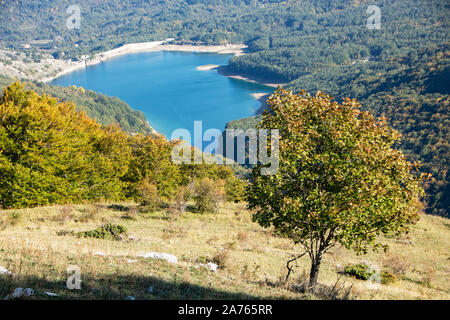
(118, 207)
(118, 287)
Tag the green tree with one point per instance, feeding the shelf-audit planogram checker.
(340, 180)
(150, 161)
(51, 153)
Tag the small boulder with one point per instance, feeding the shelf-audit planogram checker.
(156, 255)
(5, 271)
(212, 266)
(21, 292)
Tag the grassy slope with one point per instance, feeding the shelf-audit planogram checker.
(38, 257)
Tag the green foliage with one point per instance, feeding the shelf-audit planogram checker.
(233, 175)
(364, 272)
(235, 189)
(150, 161)
(340, 180)
(106, 110)
(108, 231)
(412, 91)
(51, 153)
(400, 71)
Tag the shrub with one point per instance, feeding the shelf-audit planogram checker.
(15, 218)
(107, 231)
(208, 194)
(234, 189)
(362, 271)
(65, 233)
(149, 196)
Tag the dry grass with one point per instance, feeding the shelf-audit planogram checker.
(253, 259)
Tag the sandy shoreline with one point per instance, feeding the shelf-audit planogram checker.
(262, 98)
(69, 66)
(208, 67)
(235, 49)
(225, 72)
(50, 68)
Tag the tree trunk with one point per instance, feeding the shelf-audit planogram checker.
(314, 273)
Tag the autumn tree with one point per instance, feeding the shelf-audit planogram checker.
(207, 194)
(52, 153)
(150, 164)
(340, 180)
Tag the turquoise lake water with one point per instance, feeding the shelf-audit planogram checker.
(169, 90)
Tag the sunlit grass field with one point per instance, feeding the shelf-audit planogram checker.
(252, 260)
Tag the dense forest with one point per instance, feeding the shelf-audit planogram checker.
(400, 71)
(105, 109)
(52, 153)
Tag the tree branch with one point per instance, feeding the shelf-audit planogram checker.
(288, 265)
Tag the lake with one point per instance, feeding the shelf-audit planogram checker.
(169, 90)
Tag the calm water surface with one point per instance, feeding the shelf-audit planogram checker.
(169, 90)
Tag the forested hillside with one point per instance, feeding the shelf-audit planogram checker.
(400, 70)
(52, 153)
(106, 110)
(413, 93)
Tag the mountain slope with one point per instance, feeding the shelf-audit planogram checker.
(252, 259)
(106, 110)
(400, 70)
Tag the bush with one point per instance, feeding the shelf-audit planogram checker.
(56, 154)
(363, 272)
(15, 218)
(234, 189)
(208, 194)
(149, 196)
(108, 231)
